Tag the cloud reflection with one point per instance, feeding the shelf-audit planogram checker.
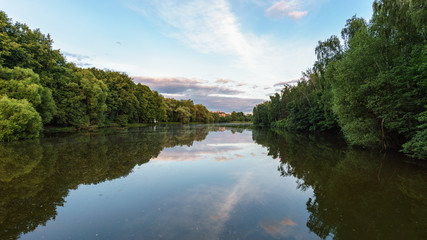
(207, 206)
(185, 154)
(278, 228)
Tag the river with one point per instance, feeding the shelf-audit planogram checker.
(206, 182)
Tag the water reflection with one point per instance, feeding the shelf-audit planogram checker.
(205, 183)
(278, 228)
(357, 194)
(36, 175)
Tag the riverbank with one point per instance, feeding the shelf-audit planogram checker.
(53, 130)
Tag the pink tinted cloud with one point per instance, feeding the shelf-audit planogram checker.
(183, 85)
(285, 9)
(297, 14)
(223, 81)
(201, 93)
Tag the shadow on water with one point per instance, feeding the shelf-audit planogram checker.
(37, 175)
(357, 194)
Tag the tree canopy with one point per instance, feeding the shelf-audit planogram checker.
(46, 90)
(372, 87)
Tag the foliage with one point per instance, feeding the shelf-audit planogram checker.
(372, 87)
(184, 114)
(65, 95)
(19, 83)
(417, 146)
(18, 119)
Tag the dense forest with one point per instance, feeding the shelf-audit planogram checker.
(39, 88)
(370, 85)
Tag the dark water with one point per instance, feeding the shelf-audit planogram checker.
(206, 182)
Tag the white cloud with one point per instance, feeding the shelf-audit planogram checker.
(286, 9)
(211, 27)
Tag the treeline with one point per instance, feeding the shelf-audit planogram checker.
(38, 88)
(186, 111)
(371, 85)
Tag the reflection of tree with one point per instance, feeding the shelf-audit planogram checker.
(36, 175)
(357, 194)
(186, 135)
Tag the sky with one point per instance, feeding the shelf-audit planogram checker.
(228, 55)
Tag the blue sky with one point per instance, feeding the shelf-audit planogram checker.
(226, 54)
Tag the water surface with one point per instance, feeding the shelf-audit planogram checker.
(206, 182)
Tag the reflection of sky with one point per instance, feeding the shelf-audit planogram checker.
(278, 228)
(196, 153)
(218, 148)
(222, 187)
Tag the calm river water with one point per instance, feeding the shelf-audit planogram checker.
(206, 182)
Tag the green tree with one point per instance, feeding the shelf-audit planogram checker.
(191, 108)
(18, 119)
(417, 145)
(202, 113)
(94, 93)
(357, 68)
(184, 114)
(19, 83)
(158, 107)
(260, 114)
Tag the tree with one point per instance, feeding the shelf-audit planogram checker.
(184, 114)
(19, 83)
(94, 93)
(417, 145)
(202, 113)
(373, 86)
(18, 119)
(260, 114)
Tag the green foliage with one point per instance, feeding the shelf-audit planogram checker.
(260, 114)
(121, 97)
(184, 114)
(349, 85)
(94, 93)
(417, 145)
(18, 119)
(373, 86)
(122, 119)
(65, 95)
(202, 114)
(19, 83)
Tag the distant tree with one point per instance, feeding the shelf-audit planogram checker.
(202, 113)
(184, 114)
(170, 106)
